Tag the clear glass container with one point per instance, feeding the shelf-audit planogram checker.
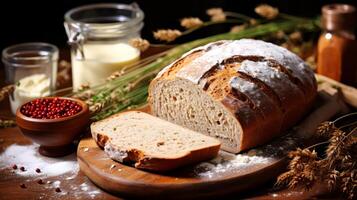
(99, 36)
(32, 67)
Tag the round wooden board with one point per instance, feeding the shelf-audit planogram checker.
(188, 182)
(185, 183)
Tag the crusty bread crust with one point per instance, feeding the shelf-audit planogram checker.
(143, 161)
(163, 164)
(288, 87)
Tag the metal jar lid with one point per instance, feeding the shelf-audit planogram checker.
(338, 17)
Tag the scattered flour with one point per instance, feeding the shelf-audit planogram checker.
(85, 188)
(216, 52)
(72, 177)
(56, 184)
(93, 193)
(27, 156)
(228, 162)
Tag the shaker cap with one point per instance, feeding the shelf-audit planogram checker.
(338, 17)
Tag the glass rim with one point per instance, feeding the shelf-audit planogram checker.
(9, 57)
(139, 14)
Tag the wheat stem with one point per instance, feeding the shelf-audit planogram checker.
(153, 64)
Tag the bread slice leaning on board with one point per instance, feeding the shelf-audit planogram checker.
(243, 92)
(152, 143)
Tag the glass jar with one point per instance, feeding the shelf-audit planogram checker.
(99, 36)
(337, 45)
(32, 67)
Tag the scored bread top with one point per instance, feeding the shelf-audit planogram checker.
(151, 136)
(265, 86)
(218, 52)
(199, 63)
(282, 75)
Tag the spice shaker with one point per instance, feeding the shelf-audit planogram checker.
(337, 45)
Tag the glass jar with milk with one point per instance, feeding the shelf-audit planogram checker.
(99, 36)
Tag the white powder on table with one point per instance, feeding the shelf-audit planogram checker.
(84, 187)
(226, 162)
(27, 156)
(56, 184)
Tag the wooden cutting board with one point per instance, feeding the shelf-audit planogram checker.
(226, 174)
(190, 182)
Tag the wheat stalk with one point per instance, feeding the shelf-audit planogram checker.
(106, 95)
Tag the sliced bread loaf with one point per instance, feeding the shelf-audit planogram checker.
(243, 92)
(152, 143)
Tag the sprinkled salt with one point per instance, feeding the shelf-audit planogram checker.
(27, 156)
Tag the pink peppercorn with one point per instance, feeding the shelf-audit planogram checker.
(50, 108)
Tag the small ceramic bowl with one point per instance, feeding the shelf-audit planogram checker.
(55, 136)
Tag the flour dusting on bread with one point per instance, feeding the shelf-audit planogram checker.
(243, 92)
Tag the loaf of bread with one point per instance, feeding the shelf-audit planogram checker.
(152, 143)
(242, 92)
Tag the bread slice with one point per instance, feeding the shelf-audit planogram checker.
(152, 143)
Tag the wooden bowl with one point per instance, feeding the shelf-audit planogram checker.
(55, 136)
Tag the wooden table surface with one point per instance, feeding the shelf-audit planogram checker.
(78, 186)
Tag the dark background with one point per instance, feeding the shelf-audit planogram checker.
(32, 21)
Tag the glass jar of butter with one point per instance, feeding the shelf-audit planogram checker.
(99, 37)
(32, 68)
